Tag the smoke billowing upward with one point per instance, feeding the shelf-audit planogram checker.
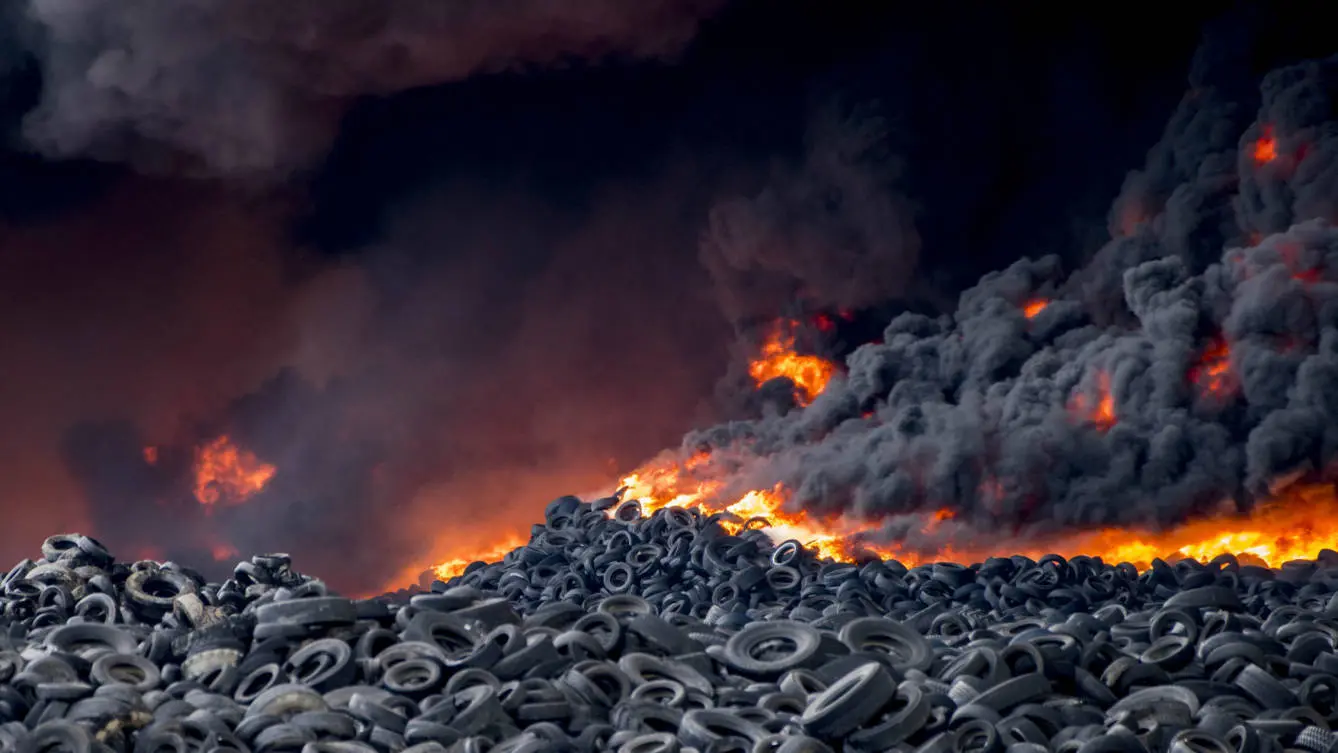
(454, 372)
(394, 397)
(832, 233)
(1191, 361)
(429, 264)
(256, 87)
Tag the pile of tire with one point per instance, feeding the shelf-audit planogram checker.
(617, 631)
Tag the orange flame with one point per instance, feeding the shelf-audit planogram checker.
(456, 567)
(1287, 527)
(678, 485)
(1031, 308)
(1100, 412)
(151, 455)
(777, 358)
(223, 552)
(1213, 371)
(1296, 524)
(1266, 147)
(226, 473)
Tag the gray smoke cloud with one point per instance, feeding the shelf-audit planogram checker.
(833, 231)
(1223, 239)
(256, 87)
(415, 404)
(416, 401)
(421, 400)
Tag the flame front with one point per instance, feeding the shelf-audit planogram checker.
(1289, 526)
(673, 486)
(226, 473)
(777, 358)
(452, 568)
(1295, 525)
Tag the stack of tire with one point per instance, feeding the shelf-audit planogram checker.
(617, 631)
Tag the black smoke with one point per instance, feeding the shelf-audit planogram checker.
(437, 264)
(1225, 236)
(835, 231)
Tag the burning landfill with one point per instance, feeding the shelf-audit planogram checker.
(1092, 510)
(1190, 420)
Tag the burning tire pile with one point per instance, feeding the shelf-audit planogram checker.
(612, 630)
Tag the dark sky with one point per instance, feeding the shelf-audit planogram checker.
(440, 266)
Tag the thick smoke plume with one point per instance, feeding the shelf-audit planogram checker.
(458, 372)
(1194, 360)
(255, 86)
(833, 232)
(408, 404)
(459, 300)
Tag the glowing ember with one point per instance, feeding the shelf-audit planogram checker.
(1032, 308)
(777, 358)
(1266, 148)
(1099, 411)
(1213, 372)
(1301, 270)
(226, 473)
(151, 455)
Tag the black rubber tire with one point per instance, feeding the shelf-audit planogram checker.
(767, 650)
(849, 703)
